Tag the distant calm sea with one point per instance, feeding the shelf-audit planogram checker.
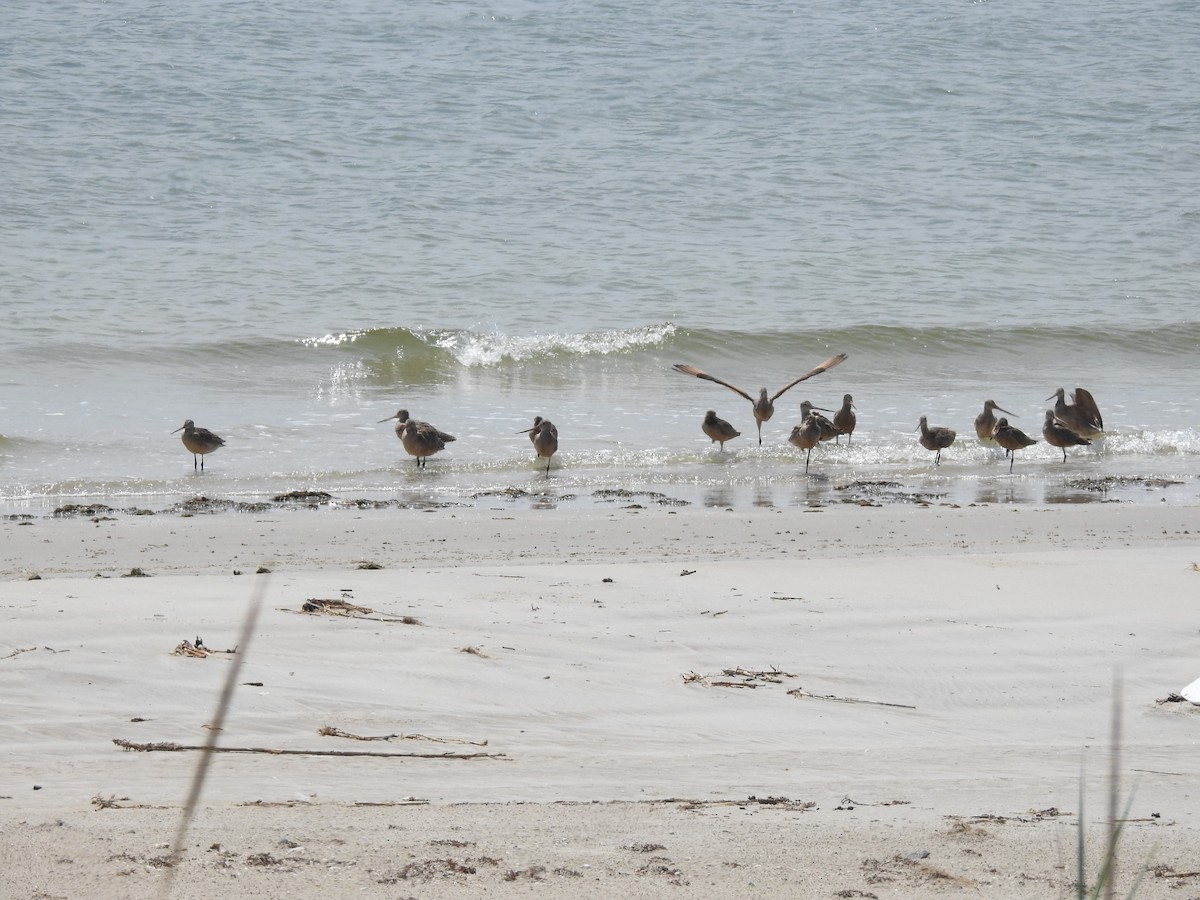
(288, 220)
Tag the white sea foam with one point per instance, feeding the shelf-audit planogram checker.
(474, 349)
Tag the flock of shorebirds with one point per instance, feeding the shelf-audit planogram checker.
(1066, 425)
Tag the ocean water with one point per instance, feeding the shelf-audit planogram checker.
(287, 222)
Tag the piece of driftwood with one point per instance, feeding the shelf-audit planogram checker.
(198, 650)
(331, 731)
(334, 607)
(348, 610)
(775, 802)
(800, 692)
(168, 746)
(747, 678)
(415, 801)
(112, 801)
(277, 804)
(18, 652)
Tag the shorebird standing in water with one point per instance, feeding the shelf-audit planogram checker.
(985, 422)
(199, 441)
(807, 435)
(544, 437)
(420, 439)
(935, 438)
(1012, 439)
(844, 420)
(1082, 416)
(1059, 435)
(764, 406)
(718, 429)
(828, 430)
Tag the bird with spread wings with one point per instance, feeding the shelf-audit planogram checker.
(764, 405)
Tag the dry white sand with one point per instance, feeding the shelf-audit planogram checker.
(840, 702)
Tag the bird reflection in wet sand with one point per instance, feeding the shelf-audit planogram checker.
(764, 406)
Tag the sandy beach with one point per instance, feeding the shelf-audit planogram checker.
(829, 702)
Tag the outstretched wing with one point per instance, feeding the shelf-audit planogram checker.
(823, 367)
(1086, 404)
(692, 370)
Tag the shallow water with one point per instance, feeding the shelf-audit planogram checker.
(287, 223)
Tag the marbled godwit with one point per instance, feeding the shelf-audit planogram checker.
(985, 422)
(935, 438)
(401, 417)
(199, 441)
(828, 430)
(1012, 439)
(718, 429)
(806, 435)
(1082, 416)
(844, 419)
(1059, 435)
(420, 439)
(764, 406)
(544, 436)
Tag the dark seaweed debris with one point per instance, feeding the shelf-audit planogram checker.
(1109, 482)
(200, 505)
(303, 498)
(614, 494)
(85, 510)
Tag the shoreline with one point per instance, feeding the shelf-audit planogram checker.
(97, 543)
(721, 480)
(912, 679)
